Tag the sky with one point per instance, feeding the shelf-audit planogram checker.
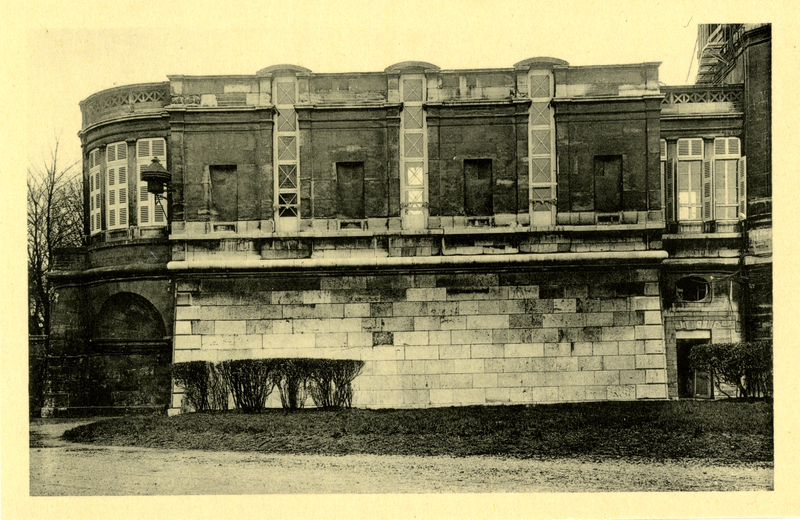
(69, 62)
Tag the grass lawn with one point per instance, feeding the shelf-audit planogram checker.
(727, 431)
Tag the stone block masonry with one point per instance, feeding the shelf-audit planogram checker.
(443, 338)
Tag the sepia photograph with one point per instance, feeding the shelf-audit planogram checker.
(476, 251)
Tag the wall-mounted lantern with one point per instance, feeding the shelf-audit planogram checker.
(158, 180)
(156, 177)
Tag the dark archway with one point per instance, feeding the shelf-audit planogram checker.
(128, 316)
(128, 367)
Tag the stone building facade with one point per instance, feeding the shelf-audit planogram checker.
(530, 234)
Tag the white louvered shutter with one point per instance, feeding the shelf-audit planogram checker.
(150, 213)
(727, 147)
(742, 182)
(726, 157)
(669, 182)
(708, 192)
(94, 191)
(690, 148)
(117, 186)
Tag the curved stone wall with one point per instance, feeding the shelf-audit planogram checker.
(114, 103)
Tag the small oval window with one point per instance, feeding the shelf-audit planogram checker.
(692, 289)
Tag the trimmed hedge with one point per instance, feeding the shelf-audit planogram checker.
(251, 381)
(745, 365)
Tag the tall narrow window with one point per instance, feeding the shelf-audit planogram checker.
(94, 191)
(478, 188)
(689, 181)
(725, 200)
(150, 212)
(608, 183)
(413, 152)
(117, 185)
(726, 162)
(541, 149)
(224, 192)
(350, 190)
(287, 157)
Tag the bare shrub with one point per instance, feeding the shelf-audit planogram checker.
(330, 381)
(202, 384)
(291, 379)
(250, 381)
(745, 365)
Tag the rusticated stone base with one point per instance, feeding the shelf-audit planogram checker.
(438, 338)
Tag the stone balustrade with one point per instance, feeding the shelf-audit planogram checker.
(125, 101)
(702, 99)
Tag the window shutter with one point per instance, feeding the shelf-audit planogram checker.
(670, 174)
(690, 148)
(663, 150)
(733, 146)
(708, 190)
(149, 212)
(726, 147)
(720, 146)
(117, 185)
(94, 191)
(143, 148)
(697, 147)
(741, 172)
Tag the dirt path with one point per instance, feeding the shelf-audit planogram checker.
(66, 469)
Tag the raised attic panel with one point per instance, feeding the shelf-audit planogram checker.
(214, 90)
(351, 88)
(607, 80)
(472, 85)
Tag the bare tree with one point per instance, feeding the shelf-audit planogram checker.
(55, 219)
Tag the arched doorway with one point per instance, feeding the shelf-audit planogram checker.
(129, 363)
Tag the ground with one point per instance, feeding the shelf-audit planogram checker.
(60, 468)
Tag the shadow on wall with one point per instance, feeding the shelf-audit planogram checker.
(128, 362)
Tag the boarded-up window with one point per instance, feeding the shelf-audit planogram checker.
(608, 183)
(224, 192)
(350, 190)
(478, 187)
